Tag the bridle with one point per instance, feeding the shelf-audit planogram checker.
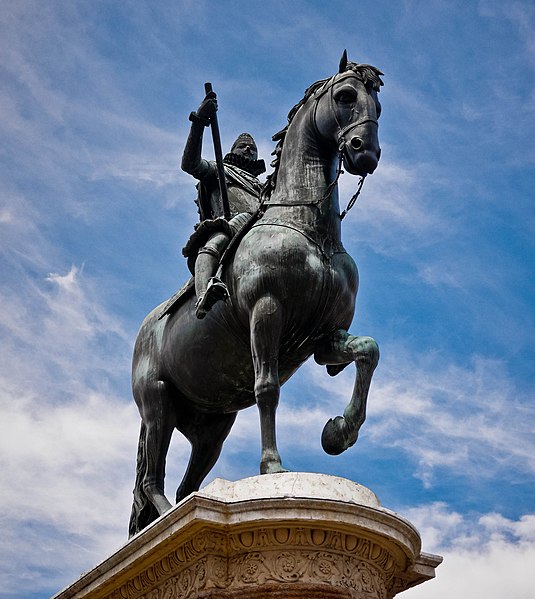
(341, 136)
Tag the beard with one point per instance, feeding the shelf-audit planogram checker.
(253, 167)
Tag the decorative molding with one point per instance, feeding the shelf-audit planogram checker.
(256, 556)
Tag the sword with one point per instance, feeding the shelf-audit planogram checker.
(218, 158)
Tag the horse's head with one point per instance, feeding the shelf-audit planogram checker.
(346, 112)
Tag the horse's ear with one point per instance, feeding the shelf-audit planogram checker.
(343, 62)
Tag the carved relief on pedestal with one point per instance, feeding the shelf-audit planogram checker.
(310, 555)
(198, 563)
(310, 567)
(258, 556)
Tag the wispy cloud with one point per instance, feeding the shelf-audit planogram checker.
(444, 417)
(520, 13)
(393, 213)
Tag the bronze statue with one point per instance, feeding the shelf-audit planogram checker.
(292, 289)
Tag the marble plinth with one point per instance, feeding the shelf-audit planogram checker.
(291, 535)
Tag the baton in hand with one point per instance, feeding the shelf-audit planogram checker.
(218, 158)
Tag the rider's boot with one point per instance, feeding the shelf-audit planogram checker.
(216, 290)
(209, 289)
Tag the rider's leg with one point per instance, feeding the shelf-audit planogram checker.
(208, 288)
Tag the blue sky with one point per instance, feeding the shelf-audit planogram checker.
(94, 210)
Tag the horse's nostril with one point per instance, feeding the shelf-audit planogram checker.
(356, 143)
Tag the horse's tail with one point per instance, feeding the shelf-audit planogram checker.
(143, 512)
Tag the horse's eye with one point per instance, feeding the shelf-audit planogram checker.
(345, 96)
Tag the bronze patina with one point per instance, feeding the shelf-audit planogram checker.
(291, 294)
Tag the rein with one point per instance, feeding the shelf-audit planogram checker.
(332, 185)
(353, 199)
(341, 142)
(341, 146)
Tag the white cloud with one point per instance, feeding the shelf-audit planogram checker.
(69, 441)
(487, 556)
(72, 121)
(445, 420)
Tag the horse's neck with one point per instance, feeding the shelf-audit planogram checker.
(307, 168)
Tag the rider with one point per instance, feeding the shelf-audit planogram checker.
(212, 235)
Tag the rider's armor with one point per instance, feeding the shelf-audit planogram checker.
(213, 234)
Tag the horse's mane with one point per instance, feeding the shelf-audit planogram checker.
(369, 75)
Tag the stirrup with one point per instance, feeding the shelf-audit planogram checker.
(215, 291)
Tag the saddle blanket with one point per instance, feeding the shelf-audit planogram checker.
(178, 298)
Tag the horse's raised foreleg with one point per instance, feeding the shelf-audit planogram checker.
(337, 351)
(206, 433)
(266, 322)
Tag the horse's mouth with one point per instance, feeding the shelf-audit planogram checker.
(361, 163)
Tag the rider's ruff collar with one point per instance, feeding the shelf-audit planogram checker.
(253, 167)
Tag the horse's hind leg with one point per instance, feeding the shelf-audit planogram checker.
(265, 323)
(156, 406)
(206, 433)
(339, 350)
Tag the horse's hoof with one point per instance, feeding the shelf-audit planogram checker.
(272, 468)
(334, 369)
(182, 494)
(162, 504)
(335, 436)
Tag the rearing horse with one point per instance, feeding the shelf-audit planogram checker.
(292, 287)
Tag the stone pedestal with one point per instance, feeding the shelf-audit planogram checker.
(279, 536)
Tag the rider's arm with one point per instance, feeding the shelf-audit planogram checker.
(192, 162)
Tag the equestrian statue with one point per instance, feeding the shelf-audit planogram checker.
(272, 286)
